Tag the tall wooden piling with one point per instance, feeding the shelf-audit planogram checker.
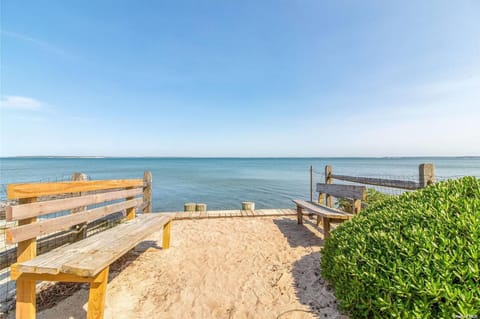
(147, 191)
(329, 180)
(426, 174)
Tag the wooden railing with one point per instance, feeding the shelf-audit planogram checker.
(426, 176)
(81, 195)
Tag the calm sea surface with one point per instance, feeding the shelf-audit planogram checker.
(223, 183)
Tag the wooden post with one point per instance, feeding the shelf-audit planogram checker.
(200, 207)
(426, 174)
(248, 206)
(166, 235)
(311, 183)
(80, 229)
(189, 207)
(357, 206)
(130, 211)
(26, 288)
(328, 180)
(147, 191)
(321, 198)
(299, 215)
(326, 227)
(96, 297)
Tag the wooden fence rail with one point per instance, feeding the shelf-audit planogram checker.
(393, 183)
(426, 176)
(77, 200)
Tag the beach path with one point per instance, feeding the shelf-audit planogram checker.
(263, 267)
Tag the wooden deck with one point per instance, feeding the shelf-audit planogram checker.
(235, 213)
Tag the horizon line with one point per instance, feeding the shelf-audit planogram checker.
(235, 157)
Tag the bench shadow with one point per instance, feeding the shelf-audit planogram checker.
(298, 235)
(60, 291)
(310, 288)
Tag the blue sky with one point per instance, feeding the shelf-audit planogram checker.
(240, 78)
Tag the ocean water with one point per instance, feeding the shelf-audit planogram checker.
(223, 183)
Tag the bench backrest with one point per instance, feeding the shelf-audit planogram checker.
(89, 200)
(353, 192)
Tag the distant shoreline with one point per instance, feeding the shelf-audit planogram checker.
(235, 157)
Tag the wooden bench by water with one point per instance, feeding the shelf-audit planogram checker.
(327, 213)
(324, 208)
(88, 259)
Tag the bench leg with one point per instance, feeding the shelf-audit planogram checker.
(326, 227)
(166, 235)
(299, 215)
(26, 299)
(96, 298)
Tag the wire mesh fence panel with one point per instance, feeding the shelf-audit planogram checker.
(378, 192)
(45, 243)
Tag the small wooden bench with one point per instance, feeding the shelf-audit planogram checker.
(88, 259)
(326, 213)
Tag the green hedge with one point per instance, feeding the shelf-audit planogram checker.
(412, 256)
(373, 197)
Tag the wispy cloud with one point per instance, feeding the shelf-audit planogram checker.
(39, 43)
(20, 103)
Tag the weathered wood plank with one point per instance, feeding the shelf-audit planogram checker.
(343, 191)
(236, 213)
(97, 257)
(47, 207)
(57, 239)
(324, 211)
(179, 215)
(260, 212)
(44, 189)
(20, 233)
(88, 257)
(195, 214)
(392, 183)
(15, 274)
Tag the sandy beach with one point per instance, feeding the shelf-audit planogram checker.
(264, 267)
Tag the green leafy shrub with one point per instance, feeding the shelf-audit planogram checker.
(416, 255)
(373, 197)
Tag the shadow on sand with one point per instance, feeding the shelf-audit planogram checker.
(310, 288)
(298, 235)
(52, 295)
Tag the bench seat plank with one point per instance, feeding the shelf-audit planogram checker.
(88, 257)
(323, 211)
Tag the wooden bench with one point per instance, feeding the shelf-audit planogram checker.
(85, 260)
(326, 213)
